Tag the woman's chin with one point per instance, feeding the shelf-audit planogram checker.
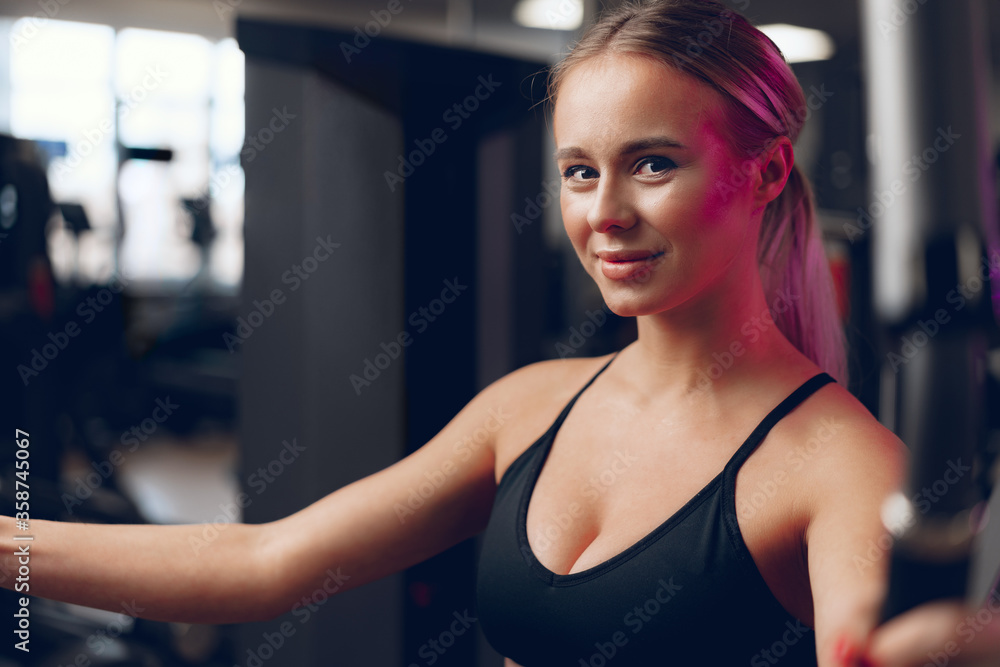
(628, 307)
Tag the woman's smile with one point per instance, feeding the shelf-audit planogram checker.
(628, 264)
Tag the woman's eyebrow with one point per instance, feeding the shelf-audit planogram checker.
(636, 146)
(651, 142)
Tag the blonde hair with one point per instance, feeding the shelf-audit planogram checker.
(762, 100)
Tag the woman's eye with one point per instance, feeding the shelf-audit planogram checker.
(651, 166)
(578, 173)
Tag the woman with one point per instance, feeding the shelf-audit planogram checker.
(699, 496)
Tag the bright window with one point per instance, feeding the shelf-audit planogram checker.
(96, 89)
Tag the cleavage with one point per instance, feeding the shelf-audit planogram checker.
(597, 495)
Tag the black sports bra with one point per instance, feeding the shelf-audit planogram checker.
(688, 593)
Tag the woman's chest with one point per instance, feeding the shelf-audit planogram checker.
(600, 492)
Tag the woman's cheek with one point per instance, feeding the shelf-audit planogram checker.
(730, 193)
(676, 212)
(574, 215)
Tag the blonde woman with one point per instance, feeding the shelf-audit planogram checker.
(753, 479)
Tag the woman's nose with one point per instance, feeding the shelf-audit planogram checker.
(610, 207)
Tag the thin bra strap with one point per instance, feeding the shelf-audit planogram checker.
(807, 389)
(569, 406)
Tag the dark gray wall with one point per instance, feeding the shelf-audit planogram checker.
(315, 180)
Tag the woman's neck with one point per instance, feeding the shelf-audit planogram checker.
(715, 343)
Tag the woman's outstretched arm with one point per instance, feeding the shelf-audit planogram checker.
(149, 571)
(845, 542)
(421, 505)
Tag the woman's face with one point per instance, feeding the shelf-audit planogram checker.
(652, 197)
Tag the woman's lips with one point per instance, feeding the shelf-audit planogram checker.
(627, 265)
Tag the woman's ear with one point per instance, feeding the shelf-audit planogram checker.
(775, 168)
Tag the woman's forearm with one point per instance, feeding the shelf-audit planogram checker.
(187, 573)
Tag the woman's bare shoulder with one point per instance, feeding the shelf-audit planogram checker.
(544, 378)
(838, 445)
(531, 398)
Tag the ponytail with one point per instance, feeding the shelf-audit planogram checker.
(793, 263)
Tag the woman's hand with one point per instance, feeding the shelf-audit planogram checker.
(937, 634)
